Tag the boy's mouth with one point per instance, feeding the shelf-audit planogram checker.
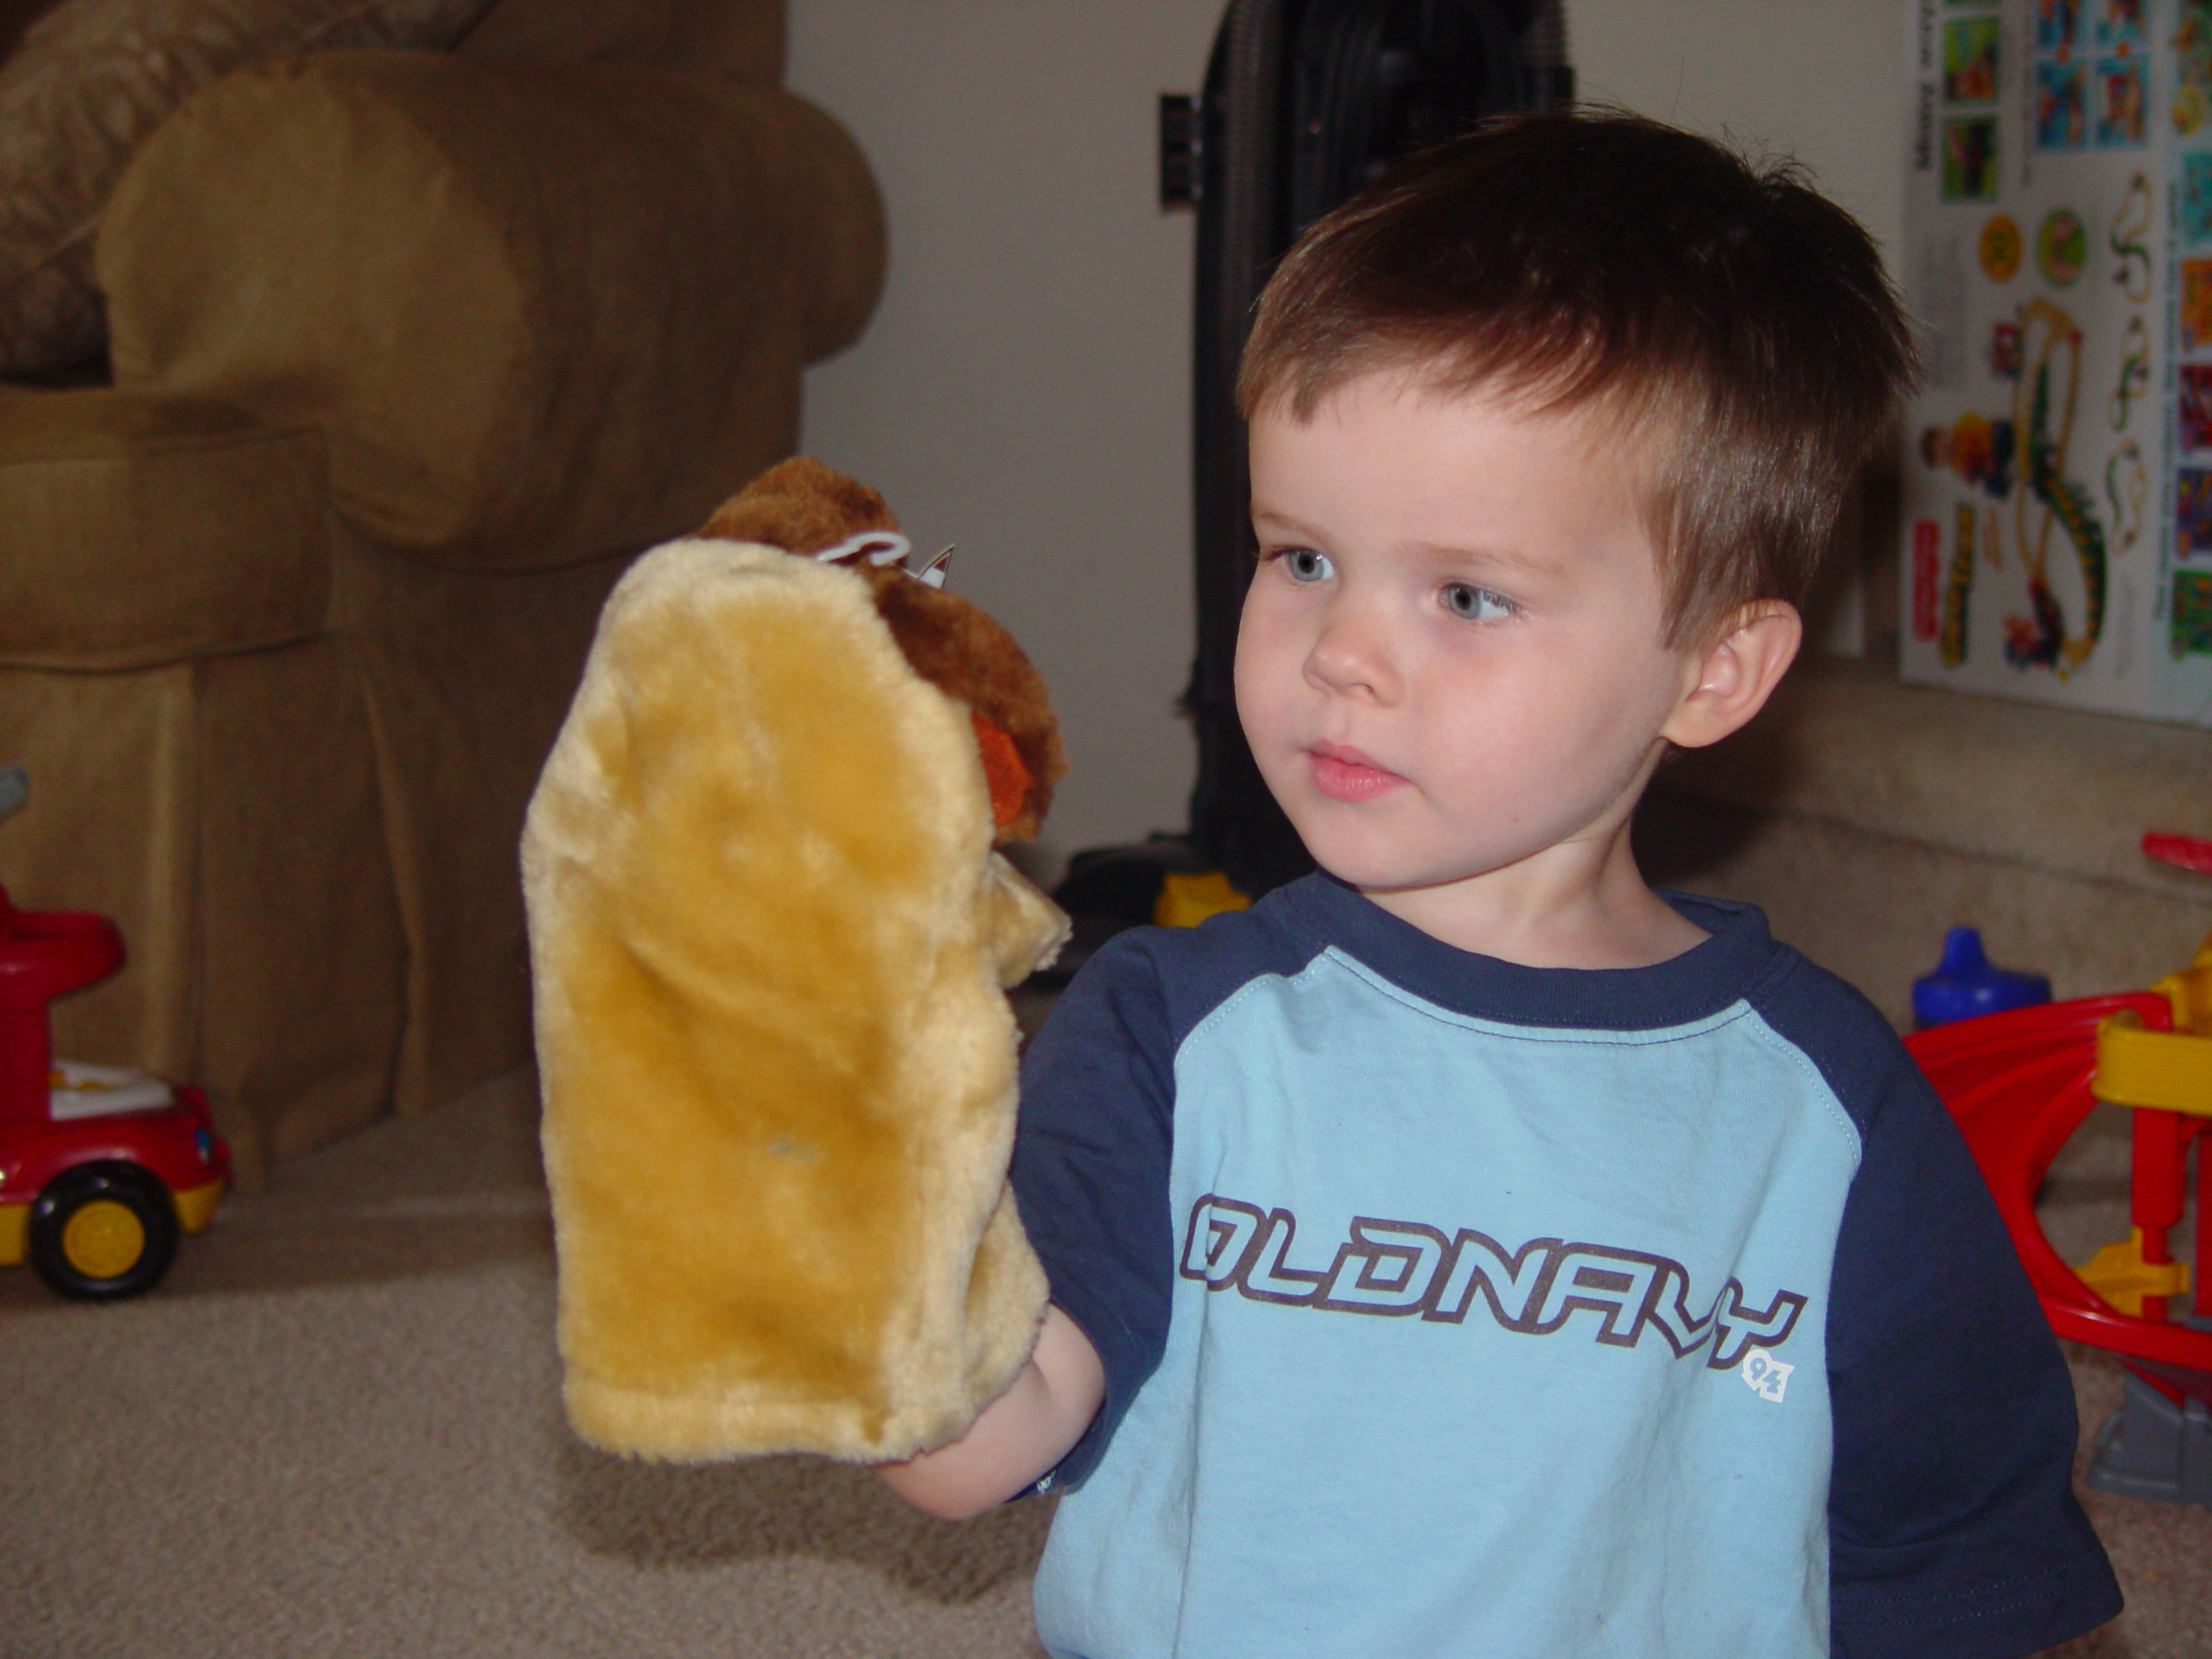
(1344, 774)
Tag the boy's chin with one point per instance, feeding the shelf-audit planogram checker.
(1376, 877)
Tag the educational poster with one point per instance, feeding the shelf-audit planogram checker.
(2057, 516)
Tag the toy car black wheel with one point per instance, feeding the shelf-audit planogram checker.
(104, 1230)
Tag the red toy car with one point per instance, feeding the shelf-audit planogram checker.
(100, 1169)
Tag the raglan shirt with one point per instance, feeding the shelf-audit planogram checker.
(1452, 1308)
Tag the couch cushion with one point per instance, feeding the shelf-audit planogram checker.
(16, 17)
(1867, 817)
(143, 528)
(2051, 789)
(741, 40)
(541, 311)
(91, 79)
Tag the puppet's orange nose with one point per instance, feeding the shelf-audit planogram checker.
(1002, 770)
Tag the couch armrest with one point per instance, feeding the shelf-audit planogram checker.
(541, 312)
(2055, 790)
(140, 529)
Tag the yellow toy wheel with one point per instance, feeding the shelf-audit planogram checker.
(103, 1231)
(103, 1239)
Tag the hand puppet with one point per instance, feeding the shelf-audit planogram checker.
(769, 935)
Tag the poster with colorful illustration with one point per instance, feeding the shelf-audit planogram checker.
(2194, 423)
(2058, 523)
(2120, 102)
(2061, 106)
(2193, 308)
(2119, 23)
(2194, 202)
(1970, 61)
(2193, 509)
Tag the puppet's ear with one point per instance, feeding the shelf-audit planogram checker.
(1004, 772)
(801, 506)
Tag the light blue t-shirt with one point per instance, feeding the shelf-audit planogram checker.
(1453, 1308)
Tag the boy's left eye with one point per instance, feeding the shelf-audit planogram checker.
(1473, 604)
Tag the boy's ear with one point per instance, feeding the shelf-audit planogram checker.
(1736, 673)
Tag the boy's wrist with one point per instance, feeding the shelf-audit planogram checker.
(1018, 1437)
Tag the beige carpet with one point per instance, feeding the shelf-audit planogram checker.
(334, 1431)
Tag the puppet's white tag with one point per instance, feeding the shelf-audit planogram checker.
(882, 547)
(1766, 1377)
(877, 546)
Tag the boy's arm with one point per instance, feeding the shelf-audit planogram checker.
(1090, 1176)
(1953, 1532)
(1953, 1526)
(1020, 1436)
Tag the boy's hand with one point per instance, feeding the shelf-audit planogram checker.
(1017, 1436)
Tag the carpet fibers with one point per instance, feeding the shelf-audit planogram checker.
(334, 1430)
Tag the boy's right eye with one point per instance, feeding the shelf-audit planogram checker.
(1304, 565)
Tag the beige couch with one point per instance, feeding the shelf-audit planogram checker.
(1866, 816)
(409, 350)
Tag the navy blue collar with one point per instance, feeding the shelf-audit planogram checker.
(1700, 982)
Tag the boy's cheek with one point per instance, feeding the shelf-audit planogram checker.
(1248, 670)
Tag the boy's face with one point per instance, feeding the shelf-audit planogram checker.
(1450, 663)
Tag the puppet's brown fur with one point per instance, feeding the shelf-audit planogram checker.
(768, 932)
(803, 507)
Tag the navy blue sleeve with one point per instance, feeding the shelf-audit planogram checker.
(1954, 1530)
(1090, 1166)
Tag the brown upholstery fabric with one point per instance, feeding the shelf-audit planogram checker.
(142, 528)
(572, 31)
(91, 80)
(16, 16)
(697, 288)
(224, 811)
(744, 42)
(452, 666)
(411, 353)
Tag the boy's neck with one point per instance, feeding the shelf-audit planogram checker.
(1578, 905)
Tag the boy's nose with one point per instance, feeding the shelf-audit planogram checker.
(1350, 656)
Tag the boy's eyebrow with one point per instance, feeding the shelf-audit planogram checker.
(1283, 520)
(1442, 552)
(1512, 557)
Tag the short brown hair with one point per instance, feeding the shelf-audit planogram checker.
(1583, 258)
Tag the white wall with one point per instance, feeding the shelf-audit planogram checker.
(1821, 79)
(1818, 79)
(1024, 389)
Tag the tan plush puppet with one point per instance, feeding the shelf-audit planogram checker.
(769, 932)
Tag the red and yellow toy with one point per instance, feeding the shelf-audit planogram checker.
(101, 1169)
(2020, 1083)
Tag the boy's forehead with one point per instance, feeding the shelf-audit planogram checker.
(1635, 417)
(1607, 441)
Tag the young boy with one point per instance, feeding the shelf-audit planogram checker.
(1469, 1251)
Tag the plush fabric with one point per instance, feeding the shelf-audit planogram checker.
(769, 934)
(743, 41)
(143, 528)
(412, 352)
(224, 810)
(466, 675)
(16, 16)
(803, 507)
(89, 81)
(1866, 816)
(734, 234)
